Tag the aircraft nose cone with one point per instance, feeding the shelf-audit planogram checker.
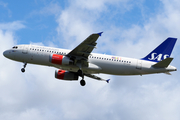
(5, 53)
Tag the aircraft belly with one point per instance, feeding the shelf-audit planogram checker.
(152, 70)
(92, 69)
(32, 58)
(19, 56)
(116, 68)
(39, 59)
(147, 68)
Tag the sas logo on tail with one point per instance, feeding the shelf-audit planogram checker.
(158, 57)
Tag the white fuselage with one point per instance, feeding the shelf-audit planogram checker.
(98, 63)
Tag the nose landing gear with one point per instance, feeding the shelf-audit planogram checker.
(24, 66)
(22, 70)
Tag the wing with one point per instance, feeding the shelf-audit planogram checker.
(96, 77)
(83, 50)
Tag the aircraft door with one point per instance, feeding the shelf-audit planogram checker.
(25, 49)
(139, 64)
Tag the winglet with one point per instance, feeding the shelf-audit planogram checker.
(108, 80)
(100, 33)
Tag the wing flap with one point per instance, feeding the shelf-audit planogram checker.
(167, 73)
(96, 77)
(164, 63)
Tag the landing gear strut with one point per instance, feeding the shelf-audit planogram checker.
(82, 82)
(24, 66)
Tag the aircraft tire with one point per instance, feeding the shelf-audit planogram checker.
(83, 82)
(22, 70)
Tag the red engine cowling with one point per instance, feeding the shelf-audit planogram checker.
(65, 75)
(59, 59)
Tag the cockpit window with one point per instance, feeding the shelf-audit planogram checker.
(15, 47)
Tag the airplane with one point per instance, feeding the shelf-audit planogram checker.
(81, 62)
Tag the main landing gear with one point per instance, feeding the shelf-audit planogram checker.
(24, 66)
(82, 82)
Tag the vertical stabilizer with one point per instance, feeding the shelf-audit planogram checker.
(162, 52)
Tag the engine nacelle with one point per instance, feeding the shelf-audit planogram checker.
(65, 75)
(59, 59)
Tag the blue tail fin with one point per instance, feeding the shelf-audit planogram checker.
(162, 52)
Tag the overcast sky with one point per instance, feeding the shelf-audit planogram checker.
(130, 28)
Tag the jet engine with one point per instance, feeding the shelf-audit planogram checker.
(65, 75)
(60, 59)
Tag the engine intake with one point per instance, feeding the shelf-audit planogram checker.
(65, 75)
(60, 59)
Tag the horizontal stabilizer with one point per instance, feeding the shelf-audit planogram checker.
(164, 63)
